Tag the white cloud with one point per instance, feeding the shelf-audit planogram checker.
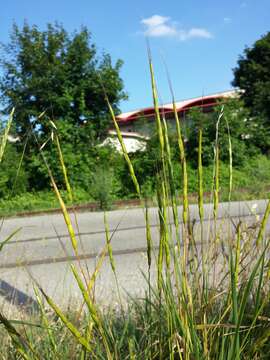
(158, 26)
(227, 20)
(163, 26)
(195, 33)
(155, 20)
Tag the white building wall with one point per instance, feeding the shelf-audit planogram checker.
(133, 142)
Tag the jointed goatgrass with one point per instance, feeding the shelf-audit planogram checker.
(183, 317)
(216, 168)
(4, 136)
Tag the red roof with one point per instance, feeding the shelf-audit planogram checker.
(181, 106)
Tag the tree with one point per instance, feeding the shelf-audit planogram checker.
(60, 74)
(242, 132)
(253, 76)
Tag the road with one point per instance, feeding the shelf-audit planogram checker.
(42, 247)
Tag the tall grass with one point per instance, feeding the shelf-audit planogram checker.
(211, 298)
(5, 134)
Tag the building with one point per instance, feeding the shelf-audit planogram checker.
(136, 126)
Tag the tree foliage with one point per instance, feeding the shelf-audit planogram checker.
(60, 74)
(242, 128)
(62, 77)
(252, 75)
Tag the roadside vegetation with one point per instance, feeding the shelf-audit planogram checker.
(53, 76)
(207, 299)
(104, 195)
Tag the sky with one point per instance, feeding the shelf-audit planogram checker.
(198, 41)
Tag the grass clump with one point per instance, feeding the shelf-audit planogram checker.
(207, 299)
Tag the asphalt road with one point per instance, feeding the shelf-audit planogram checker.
(42, 247)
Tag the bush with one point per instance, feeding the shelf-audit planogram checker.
(236, 119)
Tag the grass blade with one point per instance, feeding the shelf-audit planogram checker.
(5, 135)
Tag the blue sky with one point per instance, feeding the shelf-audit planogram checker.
(199, 40)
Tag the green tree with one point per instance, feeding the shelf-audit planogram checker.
(252, 75)
(63, 77)
(242, 128)
(60, 74)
